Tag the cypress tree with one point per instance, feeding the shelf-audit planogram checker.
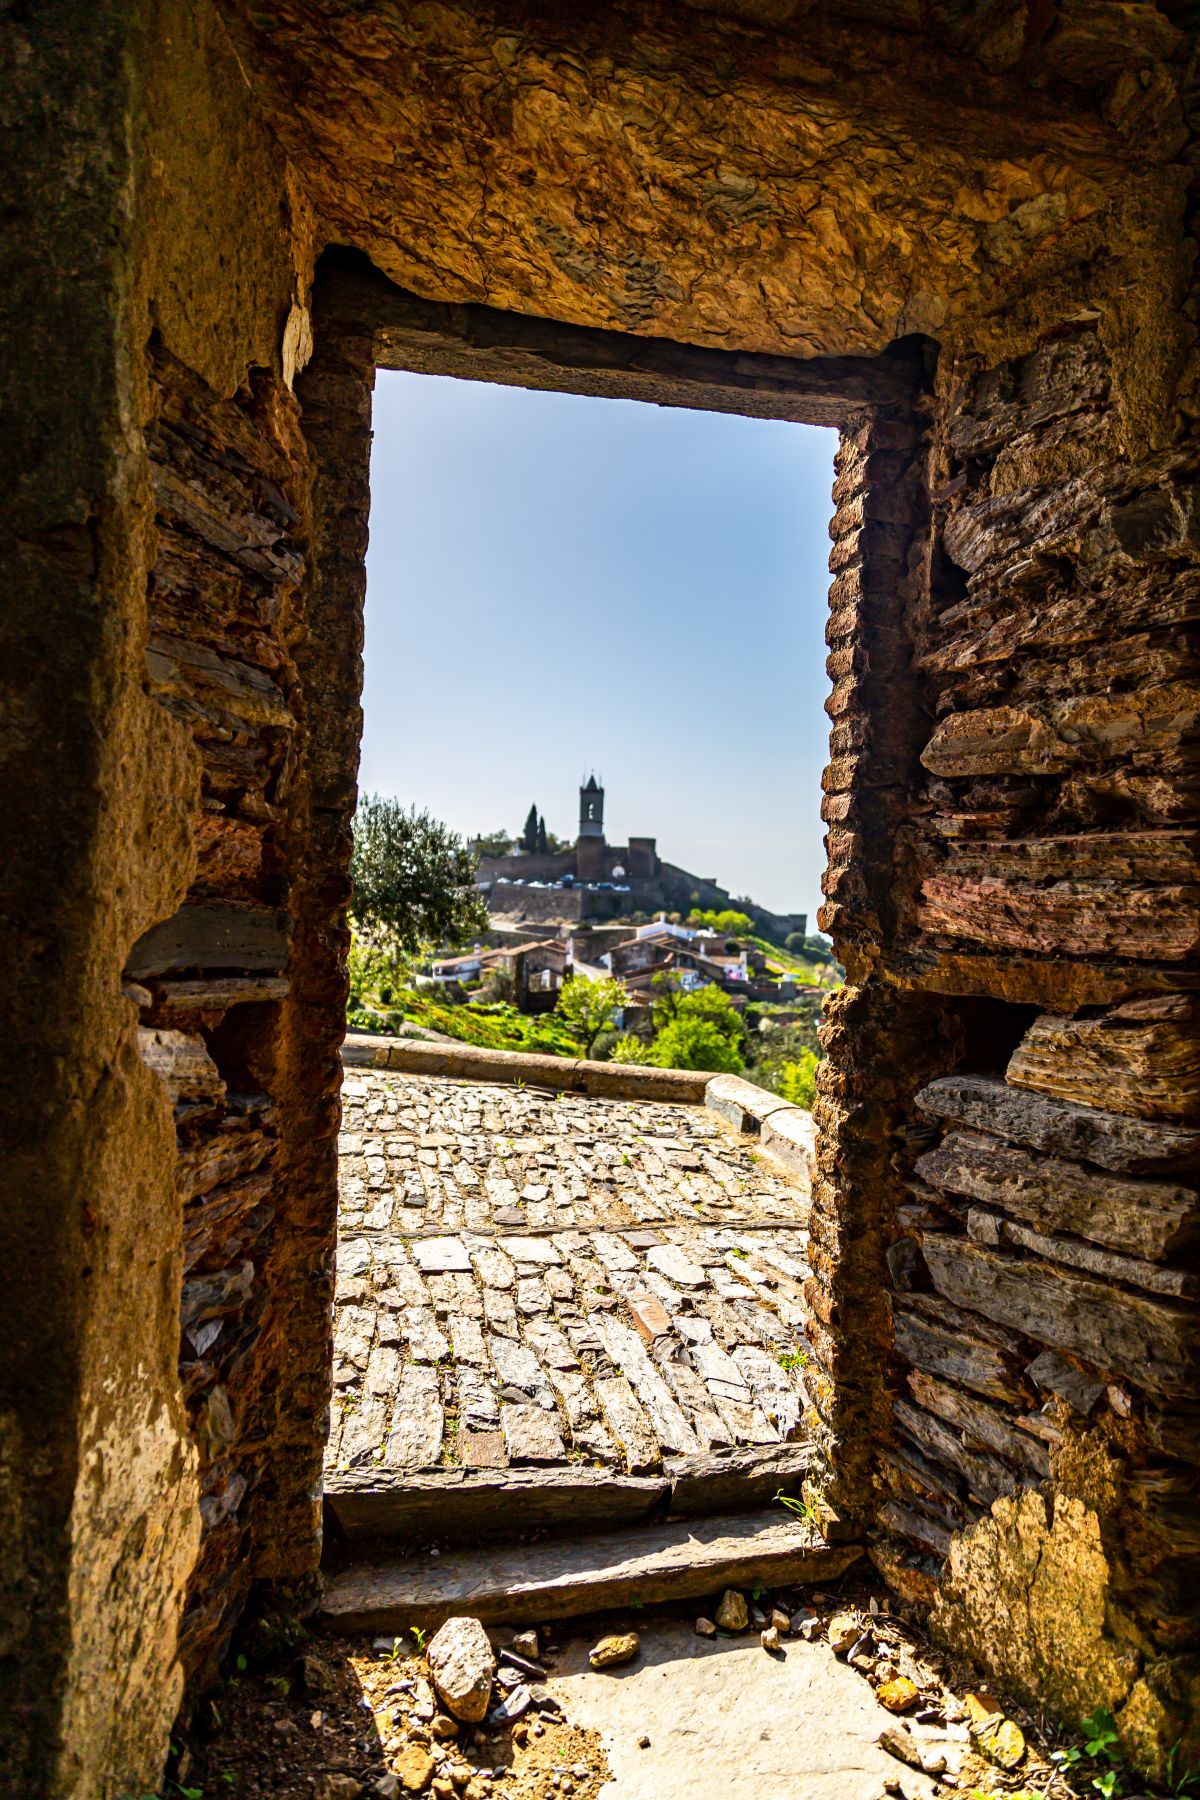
(530, 834)
(541, 836)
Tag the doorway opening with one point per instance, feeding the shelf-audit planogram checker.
(566, 1308)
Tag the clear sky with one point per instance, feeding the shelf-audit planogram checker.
(558, 584)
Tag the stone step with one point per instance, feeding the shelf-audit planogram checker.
(474, 1505)
(682, 1559)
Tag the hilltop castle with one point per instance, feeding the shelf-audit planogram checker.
(598, 880)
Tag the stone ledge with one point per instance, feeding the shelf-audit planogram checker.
(470, 1506)
(571, 1075)
(786, 1130)
(563, 1579)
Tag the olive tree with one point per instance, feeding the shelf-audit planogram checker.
(414, 878)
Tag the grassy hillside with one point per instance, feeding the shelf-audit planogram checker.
(487, 1027)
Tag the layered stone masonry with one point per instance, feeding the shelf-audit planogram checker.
(537, 1280)
(1043, 1263)
(212, 979)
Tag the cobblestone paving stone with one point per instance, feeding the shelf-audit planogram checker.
(527, 1280)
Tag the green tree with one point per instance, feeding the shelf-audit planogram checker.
(493, 843)
(698, 1028)
(696, 1043)
(414, 879)
(797, 1081)
(541, 836)
(725, 924)
(710, 1004)
(587, 1008)
(530, 833)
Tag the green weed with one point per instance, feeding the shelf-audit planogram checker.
(805, 1509)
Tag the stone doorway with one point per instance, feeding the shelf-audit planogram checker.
(482, 1379)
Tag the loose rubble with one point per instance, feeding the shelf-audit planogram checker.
(386, 1728)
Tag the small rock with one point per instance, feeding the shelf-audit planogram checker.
(424, 1703)
(511, 1707)
(543, 1699)
(414, 1767)
(780, 1620)
(462, 1663)
(844, 1632)
(806, 1625)
(1000, 1739)
(705, 1628)
(733, 1614)
(337, 1787)
(387, 1787)
(643, 1742)
(899, 1695)
(899, 1742)
(525, 1643)
(622, 1647)
(509, 1678)
(444, 1728)
(527, 1665)
(315, 1679)
(769, 1639)
(442, 1787)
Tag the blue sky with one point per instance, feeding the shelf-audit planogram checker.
(558, 584)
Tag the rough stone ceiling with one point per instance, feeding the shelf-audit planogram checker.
(798, 179)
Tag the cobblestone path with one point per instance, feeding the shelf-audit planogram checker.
(536, 1282)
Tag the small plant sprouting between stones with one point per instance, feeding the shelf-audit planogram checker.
(1185, 1782)
(804, 1508)
(1101, 1745)
(793, 1359)
(418, 1636)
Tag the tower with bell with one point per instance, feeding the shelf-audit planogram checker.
(591, 809)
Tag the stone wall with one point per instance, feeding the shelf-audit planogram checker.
(151, 480)
(1037, 1201)
(211, 980)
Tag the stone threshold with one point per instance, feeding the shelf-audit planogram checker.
(479, 1505)
(560, 1579)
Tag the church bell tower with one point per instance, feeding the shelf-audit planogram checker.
(591, 809)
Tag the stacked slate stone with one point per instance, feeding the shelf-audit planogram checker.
(210, 979)
(1046, 1263)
